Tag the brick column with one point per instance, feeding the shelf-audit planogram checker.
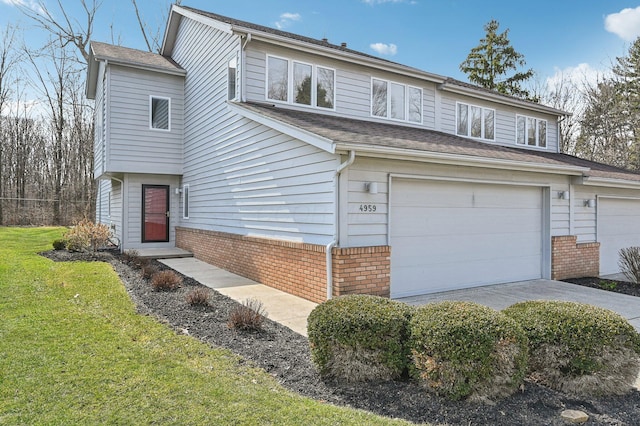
(570, 259)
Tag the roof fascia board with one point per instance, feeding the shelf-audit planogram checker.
(115, 61)
(172, 26)
(460, 160)
(501, 99)
(334, 53)
(320, 142)
(609, 182)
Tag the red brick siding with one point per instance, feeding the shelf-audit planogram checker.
(362, 270)
(572, 260)
(296, 268)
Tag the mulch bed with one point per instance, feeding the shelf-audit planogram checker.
(285, 355)
(623, 287)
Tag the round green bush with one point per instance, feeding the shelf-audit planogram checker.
(60, 244)
(359, 338)
(579, 349)
(466, 350)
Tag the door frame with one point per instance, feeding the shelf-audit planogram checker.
(167, 215)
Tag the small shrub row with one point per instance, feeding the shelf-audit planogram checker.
(466, 350)
(359, 337)
(165, 281)
(577, 348)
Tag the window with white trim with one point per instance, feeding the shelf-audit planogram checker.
(475, 121)
(159, 113)
(232, 78)
(185, 201)
(300, 83)
(531, 131)
(396, 101)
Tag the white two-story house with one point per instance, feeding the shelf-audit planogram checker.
(322, 171)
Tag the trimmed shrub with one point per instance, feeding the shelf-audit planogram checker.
(60, 244)
(360, 338)
(579, 349)
(131, 257)
(165, 281)
(199, 296)
(249, 316)
(629, 263)
(466, 350)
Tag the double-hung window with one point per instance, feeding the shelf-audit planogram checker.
(159, 113)
(531, 131)
(300, 83)
(475, 121)
(396, 101)
(232, 79)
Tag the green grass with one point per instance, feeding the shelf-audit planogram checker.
(74, 351)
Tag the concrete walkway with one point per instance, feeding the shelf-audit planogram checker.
(284, 308)
(500, 296)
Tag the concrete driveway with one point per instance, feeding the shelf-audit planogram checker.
(500, 296)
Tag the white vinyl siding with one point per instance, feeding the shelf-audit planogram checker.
(133, 146)
(244, 177)
(100, 138)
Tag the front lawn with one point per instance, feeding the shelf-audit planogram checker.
(73, 350)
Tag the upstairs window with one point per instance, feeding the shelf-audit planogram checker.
(300, 83)
(396, 101)
(232, 78)
(531, 131)
(475, 121)
(160, 113)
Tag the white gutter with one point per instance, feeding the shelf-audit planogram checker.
(461, 159)
(332, 244)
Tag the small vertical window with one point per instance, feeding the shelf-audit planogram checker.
(379, 98)
(232, 75)
(185, 201)
(489, 126)
(397, 97)
(415, 105)
(463, 119)
(542, 133)
(325, 87)
(277, 79)
(302, 83)
(476, 122)
(520, 126)
(160, 113)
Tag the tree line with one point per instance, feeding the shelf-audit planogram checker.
(46, 147)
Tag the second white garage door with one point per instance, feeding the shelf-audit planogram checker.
(452, 235)
(618, 227)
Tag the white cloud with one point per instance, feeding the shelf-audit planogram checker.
(286, 19)
(579, 76)
(384, 49)
(625, 24)
(31, 4)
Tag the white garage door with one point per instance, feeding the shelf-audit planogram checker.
(618, 227)
(451, 235)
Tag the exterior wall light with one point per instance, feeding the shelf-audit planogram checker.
(371, 187)
(590, 203)
(563, 195)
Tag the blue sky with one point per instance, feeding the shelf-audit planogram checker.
(433, 35)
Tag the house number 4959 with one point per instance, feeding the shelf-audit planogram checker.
(367, 208)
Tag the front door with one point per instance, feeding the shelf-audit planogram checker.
(155, 213)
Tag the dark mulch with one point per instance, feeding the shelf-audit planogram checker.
(623, 287)
(285, 355)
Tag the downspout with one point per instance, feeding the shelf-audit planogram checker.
(332, 244)
(122, 210)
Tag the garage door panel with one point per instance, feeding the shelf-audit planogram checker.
(448, 235)
(618, 226)
(441, 221)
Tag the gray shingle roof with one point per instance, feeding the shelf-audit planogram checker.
(136, 57)
(386, 135)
